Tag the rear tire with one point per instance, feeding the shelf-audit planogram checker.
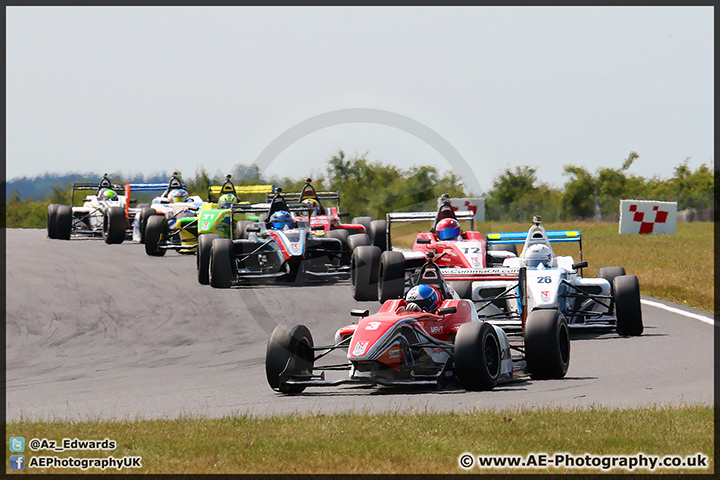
(114, 225)
(145, 214)
(364, 221)
(63, 222)
(52, 220)
(156, 231)
(289, 350)
(364, 264)
(391, 276)
(241, 229)
(377, 234)
(626, 293)
(463, 289)
(343, 236)
(507, 248)
(222, 258)
(358, 240)
(203, 257)
(547, 344)
(478, 356)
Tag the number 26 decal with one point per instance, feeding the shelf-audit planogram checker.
(544, 280)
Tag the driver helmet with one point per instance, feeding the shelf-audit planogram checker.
(448, 229)
(281, 219)
(107, 194)
(538, 254)
(422, 298)
(226, 200)
(179, 195)
(313, 206)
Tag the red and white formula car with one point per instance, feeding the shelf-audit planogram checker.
(466, 258)
(401, 346)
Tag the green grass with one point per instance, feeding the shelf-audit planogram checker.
(676, 267)
(425, 442)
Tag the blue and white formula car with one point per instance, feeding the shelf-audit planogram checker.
(550, 285)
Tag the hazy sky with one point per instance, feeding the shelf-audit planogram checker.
(150, 89)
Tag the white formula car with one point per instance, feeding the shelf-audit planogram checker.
(550, 283)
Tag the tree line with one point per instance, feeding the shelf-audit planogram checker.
(375, 188)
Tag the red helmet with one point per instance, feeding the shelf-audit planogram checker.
(447, 229)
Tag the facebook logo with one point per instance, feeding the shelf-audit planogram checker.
(17, 462)
(17, 444)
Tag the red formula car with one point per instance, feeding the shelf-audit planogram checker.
(404, 346)
(464, 256)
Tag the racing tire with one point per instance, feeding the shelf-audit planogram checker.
(114, 225)
(478, 356)
(145, 213)
(52, 220)
(203, 257)
(364, 221)
(156, 230)
(609, 274)
(241, 229)
(506, 248)
(364, 264)
(289, 352)
(63, 222)
(463, 289)
(547, 344)
(377, 234)
(391, 276)
(628, 312)
(143, 205)
(343, 236)
(358, 240)
(222, 258)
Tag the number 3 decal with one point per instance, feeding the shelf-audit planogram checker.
(372, 326)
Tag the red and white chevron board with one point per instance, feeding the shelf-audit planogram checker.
(647, 216)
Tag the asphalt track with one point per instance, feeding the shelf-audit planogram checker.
(98, 331)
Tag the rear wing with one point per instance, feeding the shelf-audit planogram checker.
(94, 187)
(296, 196)
(265, 207)
(553, 236)
(214, 191)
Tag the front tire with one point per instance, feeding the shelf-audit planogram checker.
(114, 225)
(145, 214)
(547, 344)
(289, 352)
(156, 231)
(63, 222)
(52, 220)
(364, 221)
(343, 236)
(626, 294)
(478, 356)
(364, 264)
(377, 234)
(222, 258)
(203, 257)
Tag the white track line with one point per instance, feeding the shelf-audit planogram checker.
(702, 318)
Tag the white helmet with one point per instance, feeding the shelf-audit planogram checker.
(537, 254)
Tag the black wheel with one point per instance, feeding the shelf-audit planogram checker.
(358, 240)
(203, 256)
(626, 293)
(343, 236)
(547, 344)
(364, 221)
(364, 264)
(143, 205)
(378, 235)
(241, 229)
(511, 247)
(609, 273)
(290, 354)
(222, 258)
(463, 289)
(114, 225)
(391, 276)
(478, 356)
(63, 222)
(144, 214)
(156, 231)
(52, 220)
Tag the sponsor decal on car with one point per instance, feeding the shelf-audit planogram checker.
(360, 348)
(544, 296)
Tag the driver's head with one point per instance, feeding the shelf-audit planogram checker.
(422, 297)
(107, 194)
(312, 205)
(226, 200)
(281, 219)
(448, 229)
(537, 254)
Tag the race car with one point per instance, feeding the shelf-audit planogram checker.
(170, 220)
(547, 282)
(104, 214)
(383, 275)
(360, 231)
(431, 341)
(282, 248)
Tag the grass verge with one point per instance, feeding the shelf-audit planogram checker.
(425, 442)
